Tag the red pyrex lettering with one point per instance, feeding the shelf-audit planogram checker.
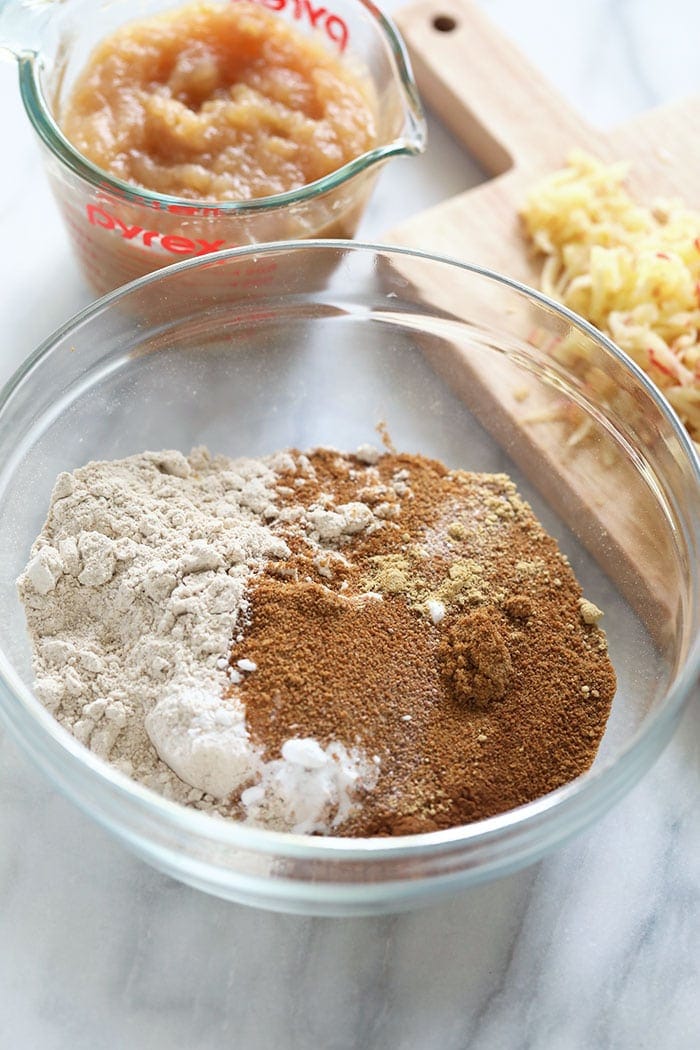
(335, 27)
(98, 216)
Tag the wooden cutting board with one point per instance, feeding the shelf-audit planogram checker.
(514, 123)
(518, 128)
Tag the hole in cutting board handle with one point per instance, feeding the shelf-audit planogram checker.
(444, 23)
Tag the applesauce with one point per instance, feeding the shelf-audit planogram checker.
(218, 103)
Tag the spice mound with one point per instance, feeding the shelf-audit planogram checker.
(219, 102)
(326, 643)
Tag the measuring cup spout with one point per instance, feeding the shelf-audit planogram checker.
(21, 22)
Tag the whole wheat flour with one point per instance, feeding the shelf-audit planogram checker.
(131, 594)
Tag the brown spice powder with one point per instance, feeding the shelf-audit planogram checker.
(475, 660)
(501, 701)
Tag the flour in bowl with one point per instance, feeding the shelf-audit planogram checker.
(322, 642)
(131, 594)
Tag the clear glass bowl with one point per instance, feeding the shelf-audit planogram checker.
(313, 343)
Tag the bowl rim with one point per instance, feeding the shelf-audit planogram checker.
(585, 788)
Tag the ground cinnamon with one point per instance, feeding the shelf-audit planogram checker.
(449, 639)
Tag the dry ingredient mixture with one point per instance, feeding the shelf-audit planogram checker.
(219, 102)
(632, 270)
(365, 644)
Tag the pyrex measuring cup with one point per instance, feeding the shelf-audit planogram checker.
(120, 231)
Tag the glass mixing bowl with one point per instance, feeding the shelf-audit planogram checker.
(313, 343)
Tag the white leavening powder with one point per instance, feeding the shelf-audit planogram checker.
(298, 791)
(132, 593)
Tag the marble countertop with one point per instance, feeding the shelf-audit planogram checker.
(594, 947)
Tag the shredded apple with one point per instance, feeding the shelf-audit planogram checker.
(631, 270)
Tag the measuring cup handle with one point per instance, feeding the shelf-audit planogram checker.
(21, 23)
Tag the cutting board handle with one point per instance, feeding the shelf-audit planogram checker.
(484, 88)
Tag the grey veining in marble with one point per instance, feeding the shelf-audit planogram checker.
(594, 948)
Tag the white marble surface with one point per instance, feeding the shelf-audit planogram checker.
(595, 947)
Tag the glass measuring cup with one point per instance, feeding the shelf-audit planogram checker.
(120, 231)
